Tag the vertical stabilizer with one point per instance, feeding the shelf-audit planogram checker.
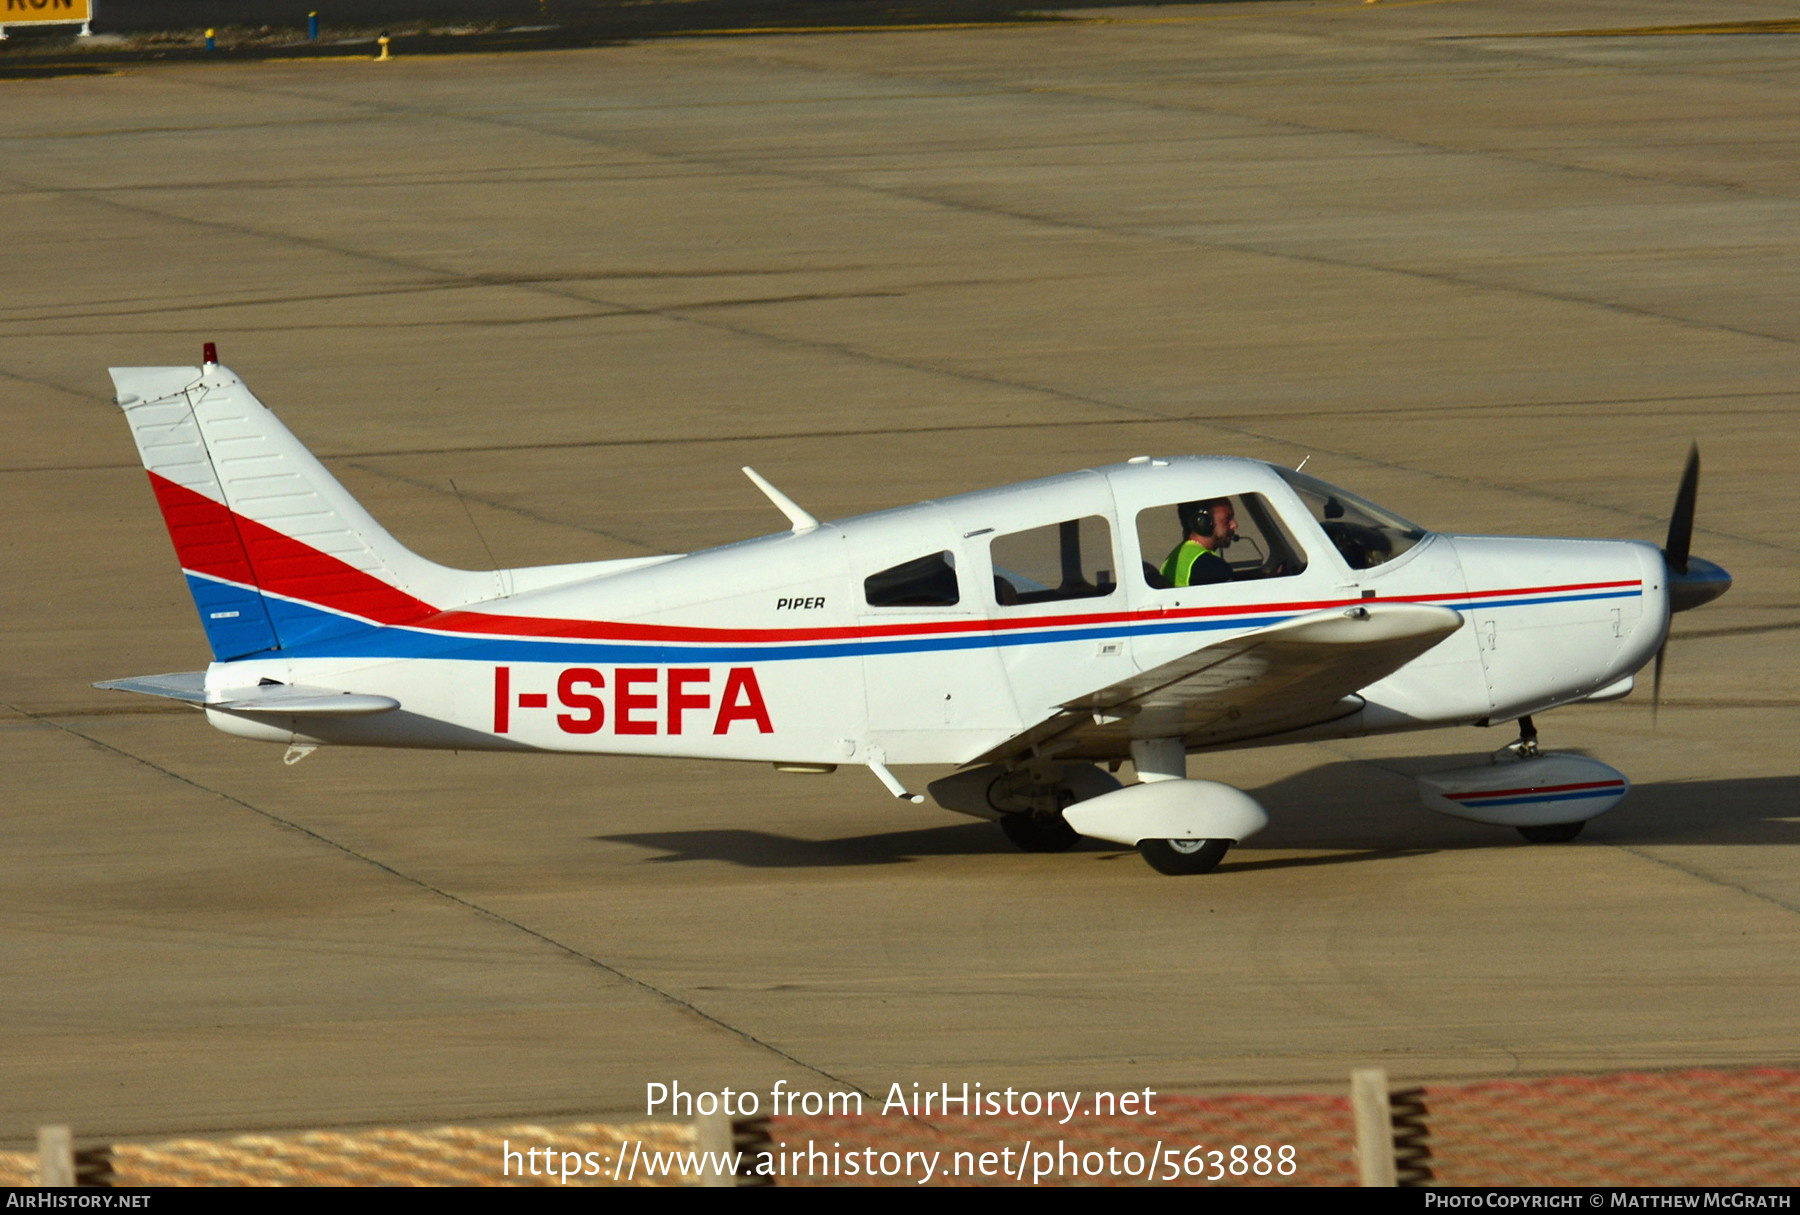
(276, 551)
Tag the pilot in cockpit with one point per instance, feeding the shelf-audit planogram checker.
(1208, 527)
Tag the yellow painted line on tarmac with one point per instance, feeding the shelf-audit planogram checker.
(369, 58)
(1786, 25)
(749, 31)
(33, 77)
(1359, 5)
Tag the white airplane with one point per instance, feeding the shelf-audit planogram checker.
(1028, 634)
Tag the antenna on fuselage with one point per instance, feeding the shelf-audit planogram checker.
(475, 526)
(802, 521)
(1303, 461)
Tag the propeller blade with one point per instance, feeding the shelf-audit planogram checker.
(1681, 519)
(1656, 684)
(1692, 580)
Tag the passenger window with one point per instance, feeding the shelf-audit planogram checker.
(1068, 560)
(1248, 542)
(928, 581)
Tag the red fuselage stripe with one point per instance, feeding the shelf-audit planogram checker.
(213, 540)
(1592, 784)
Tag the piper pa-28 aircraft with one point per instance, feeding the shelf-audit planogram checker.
(1034, 635)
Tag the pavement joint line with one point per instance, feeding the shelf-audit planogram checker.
(644, 985)
(1707, 878)
(30, 716)
(1032, 424)
(20, 378)
(1035, 21)
(1697, 875)
(604, 312)
(1147, 416)
(1443, 278)
(754, 31)
(1743, 630)
(913, 365)
(444, 280)
(109, 132)
(333, 326)
(1719, 702)
(676, 314)
(666, 314)
(811, 1044)
(466, 284)
(1099, 92)
(1122, 233)
(508, 508)
(1485, 483)
(1361, 6)
(1780, 25)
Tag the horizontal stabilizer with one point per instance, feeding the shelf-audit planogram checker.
(190, 686)
(315, 702)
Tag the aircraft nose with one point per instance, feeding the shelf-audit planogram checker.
(1701, 582)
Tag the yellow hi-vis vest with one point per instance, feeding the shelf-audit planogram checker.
(1178, 570)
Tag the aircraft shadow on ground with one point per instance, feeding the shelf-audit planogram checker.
(1350, 811)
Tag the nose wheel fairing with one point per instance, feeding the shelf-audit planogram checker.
(1526, 790)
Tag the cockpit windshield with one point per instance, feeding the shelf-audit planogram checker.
(1364, 534)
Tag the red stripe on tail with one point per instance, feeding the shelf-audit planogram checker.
(212, 539)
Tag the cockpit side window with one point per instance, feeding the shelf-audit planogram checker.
(1258, 546)
(1068, 560)
(1364, 534)
(928, 581)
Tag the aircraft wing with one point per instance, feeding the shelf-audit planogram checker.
(1290, 675)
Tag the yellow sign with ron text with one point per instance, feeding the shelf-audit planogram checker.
(48, 12)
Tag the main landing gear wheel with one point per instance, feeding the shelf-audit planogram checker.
(1552, 833)
(1038, 833)
(1179, 857)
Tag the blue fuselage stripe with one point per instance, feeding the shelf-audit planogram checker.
(1543, 797)
(1494, 603)
(399, 641)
